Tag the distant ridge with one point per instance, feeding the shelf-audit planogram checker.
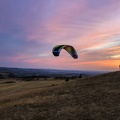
(48, 72)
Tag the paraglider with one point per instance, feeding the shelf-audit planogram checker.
(56, 50)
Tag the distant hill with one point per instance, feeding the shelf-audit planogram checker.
(48, 72)
(6, 75)
(92, 98)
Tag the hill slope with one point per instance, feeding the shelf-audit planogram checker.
(93, 98)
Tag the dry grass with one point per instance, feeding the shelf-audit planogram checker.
(94, 98)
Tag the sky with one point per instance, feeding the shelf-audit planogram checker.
(29, 29)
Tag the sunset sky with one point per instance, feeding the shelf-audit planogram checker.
(29, 29)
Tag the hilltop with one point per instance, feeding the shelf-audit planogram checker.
(91, 98)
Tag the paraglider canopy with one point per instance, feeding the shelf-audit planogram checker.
(56, 50)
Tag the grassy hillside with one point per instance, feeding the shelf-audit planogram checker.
(93, 98)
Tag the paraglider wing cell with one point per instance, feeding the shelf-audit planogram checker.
(56, 50)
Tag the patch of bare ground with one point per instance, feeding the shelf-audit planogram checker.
(93, 98)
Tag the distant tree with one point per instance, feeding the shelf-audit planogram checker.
(80, 76)
(1, 76)
(67, 79)
(11, 75)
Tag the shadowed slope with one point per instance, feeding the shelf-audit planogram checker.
(93, 98)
